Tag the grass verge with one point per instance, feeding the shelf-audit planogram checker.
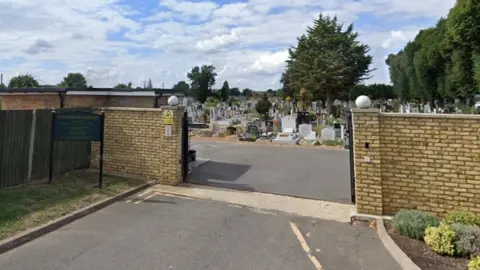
(27, 206)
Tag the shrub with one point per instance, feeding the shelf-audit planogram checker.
(441, 239)
(462, 217)
(468, 239)
(412, 223)
(474, 263)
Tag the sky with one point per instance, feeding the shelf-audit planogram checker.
(120, 41)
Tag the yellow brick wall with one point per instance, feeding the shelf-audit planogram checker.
(426, 162)
(136, 145)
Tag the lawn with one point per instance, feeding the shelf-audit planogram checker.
(31, 205)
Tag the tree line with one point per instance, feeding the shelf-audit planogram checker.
(442, 62)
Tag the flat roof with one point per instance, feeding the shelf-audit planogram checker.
(91, 91)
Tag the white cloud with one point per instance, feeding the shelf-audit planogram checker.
(217, 42)
(245, 40)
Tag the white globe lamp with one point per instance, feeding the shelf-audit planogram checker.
(363, 102)
(173, 101)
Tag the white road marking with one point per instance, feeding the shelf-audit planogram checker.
(174, 196)
(140, 195)
(305, 246)
(144, 193)
(146, 198)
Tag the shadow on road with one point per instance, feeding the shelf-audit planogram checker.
(220, 174)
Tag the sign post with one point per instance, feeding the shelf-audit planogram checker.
(77, 126)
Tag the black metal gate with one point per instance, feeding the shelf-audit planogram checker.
(185, 139)
(349, 133)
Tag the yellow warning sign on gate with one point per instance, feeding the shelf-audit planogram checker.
(168, 117)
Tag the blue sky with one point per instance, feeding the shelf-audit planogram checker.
(130, 41)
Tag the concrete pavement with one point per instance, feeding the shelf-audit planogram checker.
(311, 173)
(164, 232)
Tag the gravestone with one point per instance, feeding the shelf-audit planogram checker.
(269, 126)
(305, 131)
(289, 123)
(339, 131)
(252, 133)
(303, 118)
(327, 134)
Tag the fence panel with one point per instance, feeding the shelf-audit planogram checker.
(15, 133)
(66, 155)
(15, 129)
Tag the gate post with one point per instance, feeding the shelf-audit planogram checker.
(349, 142)
(367, 158)
(185, 145)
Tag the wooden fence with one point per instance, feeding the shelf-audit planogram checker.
(25, 148)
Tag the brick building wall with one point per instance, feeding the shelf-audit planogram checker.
(29, 101)
(18, 101)
(71, 101)
(429, 162)
(135, 102)
(135, 144)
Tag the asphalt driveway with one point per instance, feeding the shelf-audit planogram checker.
(310, 173)
(164, 232)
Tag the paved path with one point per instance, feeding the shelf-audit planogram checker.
(162, 232)
(311, 173)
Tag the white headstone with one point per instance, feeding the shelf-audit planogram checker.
(289, 122)
(304, 130)
(327, 134)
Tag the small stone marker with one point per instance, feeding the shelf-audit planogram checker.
(304, 130)
(328, 134)
(168, 117)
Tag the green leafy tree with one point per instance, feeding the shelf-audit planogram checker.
(201, 81)
(182, 87)
(123, 86)
(286, 89)
(304, 97)
(247, 92)
(211, 102)
(442, 62)
(263, 106)
(74, 80)
(225, 91)
(22, 81)
(374, 91)
(327, 59)
(235, 92)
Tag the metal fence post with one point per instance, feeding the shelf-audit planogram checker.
(32, 145)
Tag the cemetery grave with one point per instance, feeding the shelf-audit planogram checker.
(285, 124)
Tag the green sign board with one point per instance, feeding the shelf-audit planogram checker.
(77, 126)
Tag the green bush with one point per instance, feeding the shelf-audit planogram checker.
(468, 239)
(441, 239)
(412, 223)
(474, 263)
(462, 217)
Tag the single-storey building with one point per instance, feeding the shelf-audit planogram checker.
(50, 98)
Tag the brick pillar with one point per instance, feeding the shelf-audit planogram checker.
(368, 174)
(171, 148)
(136, 144)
